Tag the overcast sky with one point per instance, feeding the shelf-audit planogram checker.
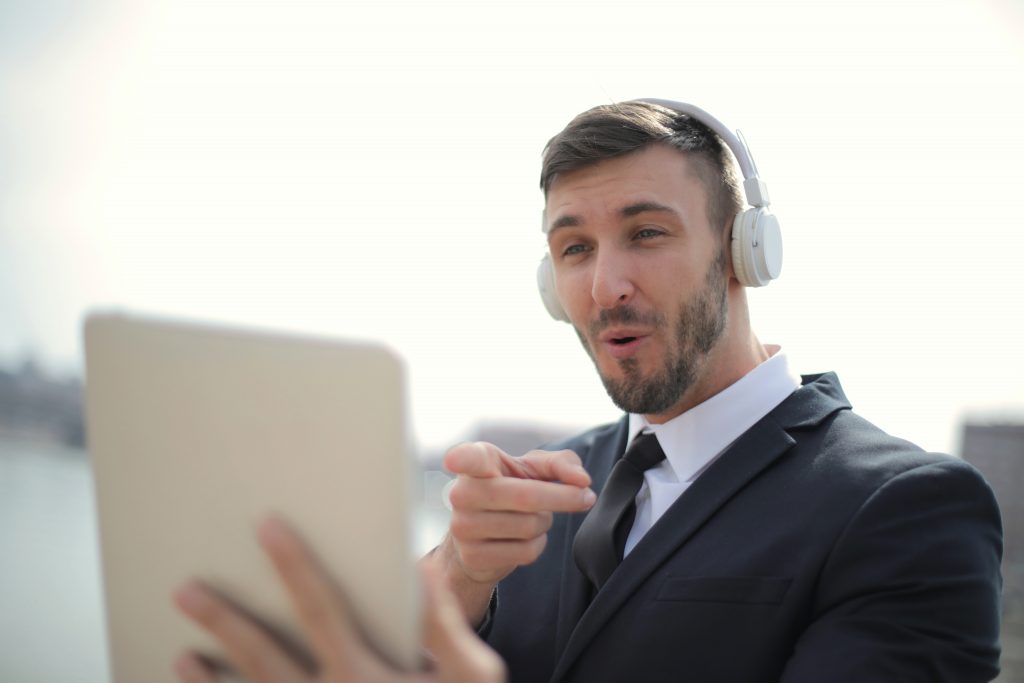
(370, 170)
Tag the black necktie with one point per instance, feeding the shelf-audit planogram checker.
(602, 536)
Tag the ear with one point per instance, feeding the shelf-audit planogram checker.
(726, 245)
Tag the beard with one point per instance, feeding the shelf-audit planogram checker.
(699, 325)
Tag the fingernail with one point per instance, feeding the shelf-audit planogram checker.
(191, 598)
(589, 497)
(272, 533)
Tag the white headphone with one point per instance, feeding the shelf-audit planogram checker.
(756, 238)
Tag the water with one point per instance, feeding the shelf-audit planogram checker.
(51, 608)
(51, 612)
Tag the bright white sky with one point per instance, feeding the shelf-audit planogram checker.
(369, 170)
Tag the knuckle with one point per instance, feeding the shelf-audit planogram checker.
(514, 525)
(490, 453)
(459, 495)
(460, 525)
(486, 448)
(536, 546)
(570, 456)
(495, 669)
(542, 522)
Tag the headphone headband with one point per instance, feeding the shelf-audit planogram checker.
(754, 188)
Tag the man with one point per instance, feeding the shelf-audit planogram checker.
(781, 537)
(773, 534)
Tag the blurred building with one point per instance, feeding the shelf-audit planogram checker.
(996, 448)
(37, 406)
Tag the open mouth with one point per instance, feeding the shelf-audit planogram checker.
(621, 346)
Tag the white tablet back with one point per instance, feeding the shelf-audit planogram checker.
(197, 433)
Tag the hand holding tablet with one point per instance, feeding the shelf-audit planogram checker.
(340, 654)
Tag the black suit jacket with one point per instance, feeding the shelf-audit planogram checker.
(816, 549)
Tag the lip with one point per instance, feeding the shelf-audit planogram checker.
(613, 333)
(627, 350)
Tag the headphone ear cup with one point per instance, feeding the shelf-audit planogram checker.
(756, 247)
(546, 285)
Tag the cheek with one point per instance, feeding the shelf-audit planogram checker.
(676, 280)
(573, 291)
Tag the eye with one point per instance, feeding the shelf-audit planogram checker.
(647, 233)
(574, 249)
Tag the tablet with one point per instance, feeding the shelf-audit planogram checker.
(198, 432)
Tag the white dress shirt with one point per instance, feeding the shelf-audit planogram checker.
(695, 439)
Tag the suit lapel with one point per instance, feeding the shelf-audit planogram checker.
(752, 453)
(574, 593)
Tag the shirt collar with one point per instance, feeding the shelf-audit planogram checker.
(692, 440)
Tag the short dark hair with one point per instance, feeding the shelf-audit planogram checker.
(613, 130)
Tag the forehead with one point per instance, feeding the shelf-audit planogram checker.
(657, 175)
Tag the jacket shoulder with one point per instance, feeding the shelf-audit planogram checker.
(584, 442)
(854, 447)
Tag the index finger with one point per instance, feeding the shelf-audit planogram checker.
(483, 460)
(522, 495)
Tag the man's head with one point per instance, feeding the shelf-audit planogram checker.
(640, 201)
(613, 130)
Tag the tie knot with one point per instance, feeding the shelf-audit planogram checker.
(645, 452)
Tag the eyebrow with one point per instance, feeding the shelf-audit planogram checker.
(564, 222)
(645, 207)
(627, 211)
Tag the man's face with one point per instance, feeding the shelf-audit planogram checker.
(641, 274)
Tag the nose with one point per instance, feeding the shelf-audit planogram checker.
(613, 282)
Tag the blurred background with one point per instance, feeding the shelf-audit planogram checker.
(369, 170)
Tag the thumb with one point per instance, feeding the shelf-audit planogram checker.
(479, 459)
(459, 654)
